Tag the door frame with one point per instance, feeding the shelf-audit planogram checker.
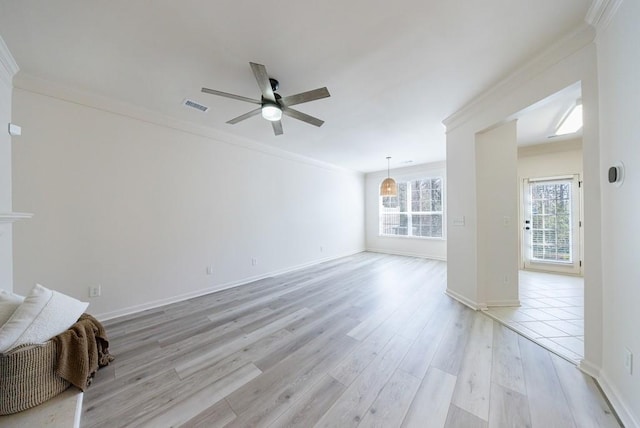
(574, 268)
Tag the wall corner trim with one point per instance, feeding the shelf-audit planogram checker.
(573, 42)
(601, 13)
(8, 65)
(462, 299)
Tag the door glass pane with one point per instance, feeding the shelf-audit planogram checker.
(551, 221)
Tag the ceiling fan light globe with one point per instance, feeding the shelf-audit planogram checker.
(271, 112)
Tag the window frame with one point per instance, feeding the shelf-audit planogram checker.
(409, 213)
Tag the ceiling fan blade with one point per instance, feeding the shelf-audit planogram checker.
(260, 72)
(302, 116)
(305, 97)
(245, 116)
(235, 97)
(277, 127)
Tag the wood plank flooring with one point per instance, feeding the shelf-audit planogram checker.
(368, 340)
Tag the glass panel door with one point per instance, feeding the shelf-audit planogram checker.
(551, 224)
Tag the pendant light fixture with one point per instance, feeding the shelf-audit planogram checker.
(388, 186)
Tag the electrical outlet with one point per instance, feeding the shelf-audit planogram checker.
(505, 279)
(628, 360)
(95, 291)
(209, 270)
(321, 249)
(254, 261)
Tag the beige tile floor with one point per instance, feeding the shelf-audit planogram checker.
(551, 312)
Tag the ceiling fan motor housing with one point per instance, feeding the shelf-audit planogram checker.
(265, 101)
(272, 105)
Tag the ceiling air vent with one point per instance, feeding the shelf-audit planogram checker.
(192, 104)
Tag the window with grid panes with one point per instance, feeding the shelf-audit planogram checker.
(416, 211)
(551, 221)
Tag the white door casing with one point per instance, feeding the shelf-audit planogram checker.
(552, 222)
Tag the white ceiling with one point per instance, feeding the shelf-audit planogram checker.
(537, 124)
(395, 70)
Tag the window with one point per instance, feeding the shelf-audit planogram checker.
(551, 221)
(416, 211)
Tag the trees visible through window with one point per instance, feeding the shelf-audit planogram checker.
(551, 221)
(416, 211)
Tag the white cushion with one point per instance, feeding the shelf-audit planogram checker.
(43, 314)
(9, 302)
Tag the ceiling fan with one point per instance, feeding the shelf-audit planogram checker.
(272, 105)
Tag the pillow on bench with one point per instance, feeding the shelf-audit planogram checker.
(43, 314)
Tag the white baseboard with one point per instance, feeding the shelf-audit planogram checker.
(130, 310)
(220, 287)
(589, 368)
(613, 395)
(462, 299)
(503, 303)
(406, 253)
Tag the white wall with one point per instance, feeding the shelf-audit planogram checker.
(142, 209)
(618, 73)
(550, 160)
(571, 60)
(432, 248)
(8, 68)
(497, 213)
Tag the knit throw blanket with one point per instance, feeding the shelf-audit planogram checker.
(82, 350)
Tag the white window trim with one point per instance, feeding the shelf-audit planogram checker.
(408, 179)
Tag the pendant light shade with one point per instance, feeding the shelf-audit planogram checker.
(388, 186)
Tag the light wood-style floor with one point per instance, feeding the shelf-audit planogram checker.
(367, 340)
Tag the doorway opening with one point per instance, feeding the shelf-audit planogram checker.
(551, 287)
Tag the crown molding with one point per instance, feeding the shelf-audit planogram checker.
(413, 170)
(582, 36)
(61, 92)
(8, 65)
(601, 13)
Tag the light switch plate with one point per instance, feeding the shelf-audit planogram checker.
(14, 130)
(458, 221)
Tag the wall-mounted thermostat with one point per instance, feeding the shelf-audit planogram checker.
(615, 175)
